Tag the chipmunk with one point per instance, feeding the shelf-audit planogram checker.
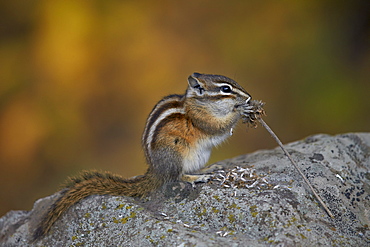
(178, 137)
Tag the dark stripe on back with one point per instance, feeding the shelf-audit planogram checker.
(174, 102)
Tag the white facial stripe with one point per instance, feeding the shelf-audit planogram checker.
(238, 91)
(235, 90)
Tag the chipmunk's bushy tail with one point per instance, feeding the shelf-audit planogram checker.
(94, 183)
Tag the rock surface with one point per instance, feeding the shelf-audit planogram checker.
(263, 202)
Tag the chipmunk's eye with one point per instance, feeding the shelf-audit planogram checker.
(226, 89)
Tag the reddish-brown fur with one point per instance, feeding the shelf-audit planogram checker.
(178, 137)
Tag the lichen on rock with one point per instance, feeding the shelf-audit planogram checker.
(278, 210)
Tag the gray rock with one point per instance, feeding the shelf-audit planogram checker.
(264, 202)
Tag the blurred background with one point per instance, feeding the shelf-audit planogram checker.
(78, 78)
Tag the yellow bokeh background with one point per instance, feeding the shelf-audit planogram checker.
(78, 78)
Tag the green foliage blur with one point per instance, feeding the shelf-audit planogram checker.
(78, 78)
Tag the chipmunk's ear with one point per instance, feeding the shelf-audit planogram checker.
(195, 84)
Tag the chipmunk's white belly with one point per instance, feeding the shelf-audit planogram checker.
(199, 154)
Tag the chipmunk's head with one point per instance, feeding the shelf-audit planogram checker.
(219, 93)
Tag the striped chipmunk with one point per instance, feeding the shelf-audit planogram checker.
(178, 137)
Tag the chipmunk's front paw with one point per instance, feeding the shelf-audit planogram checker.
(192, 179)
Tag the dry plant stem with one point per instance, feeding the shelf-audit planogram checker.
(295, 165)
